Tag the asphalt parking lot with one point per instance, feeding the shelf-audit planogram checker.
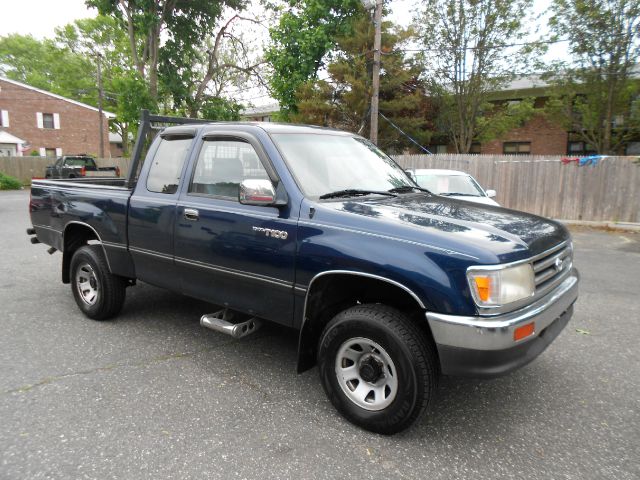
(154, 395)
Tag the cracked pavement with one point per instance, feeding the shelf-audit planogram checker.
(154, 395)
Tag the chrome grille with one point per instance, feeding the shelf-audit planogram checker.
(552, 268)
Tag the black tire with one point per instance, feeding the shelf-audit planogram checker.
(89, 267)
(412, 357)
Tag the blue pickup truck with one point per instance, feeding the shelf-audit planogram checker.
(388, 285)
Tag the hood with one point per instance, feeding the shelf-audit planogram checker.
(492, 233)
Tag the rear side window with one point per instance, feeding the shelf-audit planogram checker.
(222, 165)
(164, 174)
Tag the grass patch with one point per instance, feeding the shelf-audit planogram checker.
(9, 183)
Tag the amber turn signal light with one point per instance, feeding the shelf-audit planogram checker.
(524, 331)
(483, 284)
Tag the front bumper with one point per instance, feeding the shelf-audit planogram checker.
(485, 346)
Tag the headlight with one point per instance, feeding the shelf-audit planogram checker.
(495, 287)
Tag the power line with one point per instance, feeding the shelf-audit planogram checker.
(403, 133)
(503, 45)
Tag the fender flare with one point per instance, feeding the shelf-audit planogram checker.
(303, 362)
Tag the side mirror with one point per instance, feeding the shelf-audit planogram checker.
(257, 192)
(490, 193)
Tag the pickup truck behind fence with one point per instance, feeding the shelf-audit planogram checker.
(77, 166)
(389, 285)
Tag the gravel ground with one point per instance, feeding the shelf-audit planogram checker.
(154, 395)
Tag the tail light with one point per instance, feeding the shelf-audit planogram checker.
(117, 171)
(83, 171)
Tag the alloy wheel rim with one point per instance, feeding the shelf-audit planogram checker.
(366, 373)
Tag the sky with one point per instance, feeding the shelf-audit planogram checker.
(40, 17)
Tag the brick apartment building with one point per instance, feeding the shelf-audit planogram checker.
(538, 136)
(37, 122)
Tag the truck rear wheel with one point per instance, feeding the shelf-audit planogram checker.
(378, 369)
(98, 293)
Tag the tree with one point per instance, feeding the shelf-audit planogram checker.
(183, 23)
(306, 33)
(343, 100)
(43, 64)
(125, 92)
(225, 59)
(66, 65)
(596, 98)
(467, 56)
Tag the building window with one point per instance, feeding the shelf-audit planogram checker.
(49, 152)
(633, 148)
(47, 120)
(4, 118)
(516, 148)
(438, 148)
(580, 148)
(475, 148)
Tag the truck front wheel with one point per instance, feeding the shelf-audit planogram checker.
(378, 368)
(99, 294)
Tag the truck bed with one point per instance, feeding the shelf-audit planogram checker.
(100, 203)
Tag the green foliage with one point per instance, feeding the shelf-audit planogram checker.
(306, 33)
(44, 64)
(221, 109)
(597, 96)
(67, 65)
(466, 60)
(9, 183)
(343, 102)
(183, 25)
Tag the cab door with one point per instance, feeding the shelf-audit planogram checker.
(152, 212)
(222, 250)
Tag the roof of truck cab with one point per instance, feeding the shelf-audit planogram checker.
(269, 127)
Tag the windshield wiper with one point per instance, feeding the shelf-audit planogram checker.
(408, 188)
(451, 194)
(354, 192)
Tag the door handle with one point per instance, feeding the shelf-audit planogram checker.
(191, 214)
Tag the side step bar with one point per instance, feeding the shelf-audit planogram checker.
(223, 321)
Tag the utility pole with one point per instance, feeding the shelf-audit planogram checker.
(377, 45)
(100, 95)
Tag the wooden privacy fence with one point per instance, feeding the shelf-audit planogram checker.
(607, 191)
(25, 168)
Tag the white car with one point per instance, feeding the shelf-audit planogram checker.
(454, 184)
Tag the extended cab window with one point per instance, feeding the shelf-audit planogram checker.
(164, 174)
(222, 165)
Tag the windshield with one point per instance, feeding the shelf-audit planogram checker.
(323, 164)
(443, 184)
